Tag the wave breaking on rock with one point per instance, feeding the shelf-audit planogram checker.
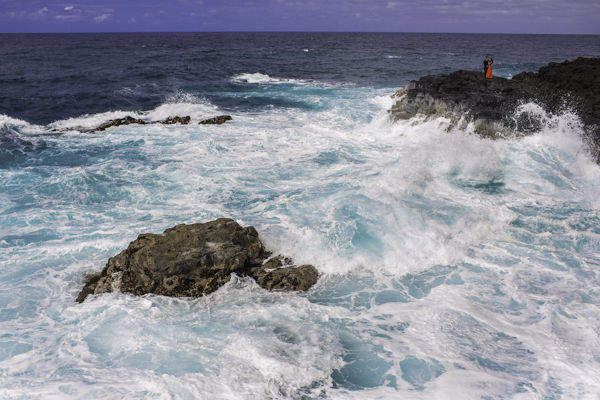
(194, 260)
(492, 105)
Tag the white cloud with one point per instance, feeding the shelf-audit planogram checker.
(39, 14)
(68, 8)
(102, 17)
(67, 17)
(18, 14)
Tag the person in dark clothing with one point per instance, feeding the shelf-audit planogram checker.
(486, 63)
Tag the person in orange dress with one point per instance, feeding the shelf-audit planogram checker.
(488, 74)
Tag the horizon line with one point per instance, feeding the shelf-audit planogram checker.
(308, 32)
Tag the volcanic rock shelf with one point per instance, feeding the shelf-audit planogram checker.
(493, 104)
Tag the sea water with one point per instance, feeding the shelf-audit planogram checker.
(451, 266)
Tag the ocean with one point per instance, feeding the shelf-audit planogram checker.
(451, 266)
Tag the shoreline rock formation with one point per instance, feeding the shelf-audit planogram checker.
(197, 259)
(493, 104)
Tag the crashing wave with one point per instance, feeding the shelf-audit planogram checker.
(263, 79)
(500, 107)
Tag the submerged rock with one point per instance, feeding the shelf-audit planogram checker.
(197, 259)
(493, 104)
(216, 120)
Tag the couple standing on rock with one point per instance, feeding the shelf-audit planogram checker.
(487, 67)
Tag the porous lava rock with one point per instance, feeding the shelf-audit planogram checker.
(118, 122)
(493, 104)
(177, 120)
(221, 119)
(197, 259)
(130, 120)
(279, 273)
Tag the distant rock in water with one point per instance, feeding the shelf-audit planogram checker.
(216, 120)
(493, 104)
(130, 120)
(118, 122)
(176, 120)
(169, 121)
(197, 259)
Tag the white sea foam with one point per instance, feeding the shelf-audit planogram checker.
(186, 98)
(257, 77)
(6, 120)
(241, 340)
(179, 104)
(450, 264)
(20, 126)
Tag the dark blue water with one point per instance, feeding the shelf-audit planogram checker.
(451, 266)
(46, 78)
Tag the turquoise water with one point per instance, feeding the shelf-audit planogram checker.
(450, 265)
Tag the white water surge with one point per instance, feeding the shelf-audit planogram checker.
(452, 266)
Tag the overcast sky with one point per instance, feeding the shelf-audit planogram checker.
(470, 16)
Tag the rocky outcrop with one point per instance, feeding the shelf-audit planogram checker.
(176, 120)
(130, 120)
(197, 259)
(493, 104)
(216, 120)
(169, 121)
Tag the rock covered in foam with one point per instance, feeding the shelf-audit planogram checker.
(467, 96)
(197, 259)
(130, 120)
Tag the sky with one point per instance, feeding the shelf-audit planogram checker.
(448, 16)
